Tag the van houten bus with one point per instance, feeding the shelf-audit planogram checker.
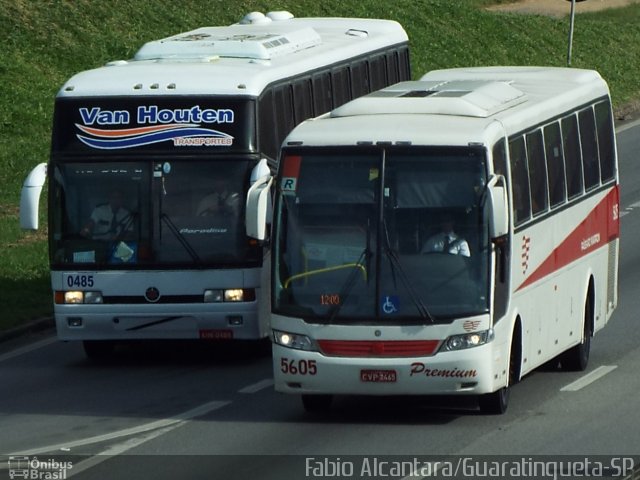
(202, 108)
(522, 160)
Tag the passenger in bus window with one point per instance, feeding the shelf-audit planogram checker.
(109, 221)
(221, 202)
(447, 241)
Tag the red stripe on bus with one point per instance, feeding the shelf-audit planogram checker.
(601, 226)
(378, 348)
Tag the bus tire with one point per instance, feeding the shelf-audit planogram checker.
(496, 403)
(98, 349)
(317, 403)
(576, 358)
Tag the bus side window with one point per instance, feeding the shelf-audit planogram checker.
(283, 112)
(589, 143)
(266, 121)
(377, 72)
(500, 158)
(555, 163)
(322, 93)
(537, 172)
(359, 79)
(393, 68)
(571, 146)
(302, 101)
(519, 180)
(340, 85)
(604, 126)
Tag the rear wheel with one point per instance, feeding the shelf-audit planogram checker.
(577, 358)
(98, 349)
(317, 403)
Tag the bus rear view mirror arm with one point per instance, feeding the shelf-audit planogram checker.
(498, 207)
(258, 199)
(30, 197)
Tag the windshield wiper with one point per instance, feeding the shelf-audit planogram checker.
(363, 260)
(397, 266)
(183, 241)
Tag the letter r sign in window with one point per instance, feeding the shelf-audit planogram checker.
(290, 173)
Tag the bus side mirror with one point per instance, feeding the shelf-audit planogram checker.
(30, 197)
(498, 207)
(258, 201)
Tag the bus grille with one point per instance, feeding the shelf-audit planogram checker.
(378, 348)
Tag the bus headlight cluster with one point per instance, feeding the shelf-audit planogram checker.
(467, 340)
(76, 297)
(294, 340)
(229, 295)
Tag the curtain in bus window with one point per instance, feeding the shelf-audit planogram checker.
(589, 143)
(604, 126)
(537, 172)
(571, 147)
(555, 163)
(519, 180)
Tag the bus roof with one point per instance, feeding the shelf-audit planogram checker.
(455, 107)
(240, 59)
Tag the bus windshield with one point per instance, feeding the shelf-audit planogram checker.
(388, 236)
(164, 214)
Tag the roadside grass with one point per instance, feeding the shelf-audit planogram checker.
(44, 43)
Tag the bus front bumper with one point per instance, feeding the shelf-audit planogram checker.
(472, 371)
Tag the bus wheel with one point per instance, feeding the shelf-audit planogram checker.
(98, 349)
(577, 358)
(317, 403)
(496, 403)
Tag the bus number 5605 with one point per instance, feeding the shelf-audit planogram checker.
(300, 367)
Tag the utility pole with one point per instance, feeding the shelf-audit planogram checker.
(571, 22)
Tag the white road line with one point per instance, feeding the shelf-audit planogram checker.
(588, 378)
(119, 449)
(28, 348)
(635, 123)
(147, 427)
(256, 387)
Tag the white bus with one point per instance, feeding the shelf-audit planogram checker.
(171, 141)
(520, 162)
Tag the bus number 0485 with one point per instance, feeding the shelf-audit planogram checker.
(80, 281)
(299, 367)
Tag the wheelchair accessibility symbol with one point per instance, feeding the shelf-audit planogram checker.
(390, 304)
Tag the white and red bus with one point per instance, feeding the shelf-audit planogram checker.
(195, 110)
(522, 161)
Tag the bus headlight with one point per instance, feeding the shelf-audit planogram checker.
(229, 295)
(294, 340)
(93, 297)
(234, 295)
(467, 340)
(73, 297)
(76, 297)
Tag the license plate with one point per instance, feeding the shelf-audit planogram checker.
(378, 376)
(216, 334)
